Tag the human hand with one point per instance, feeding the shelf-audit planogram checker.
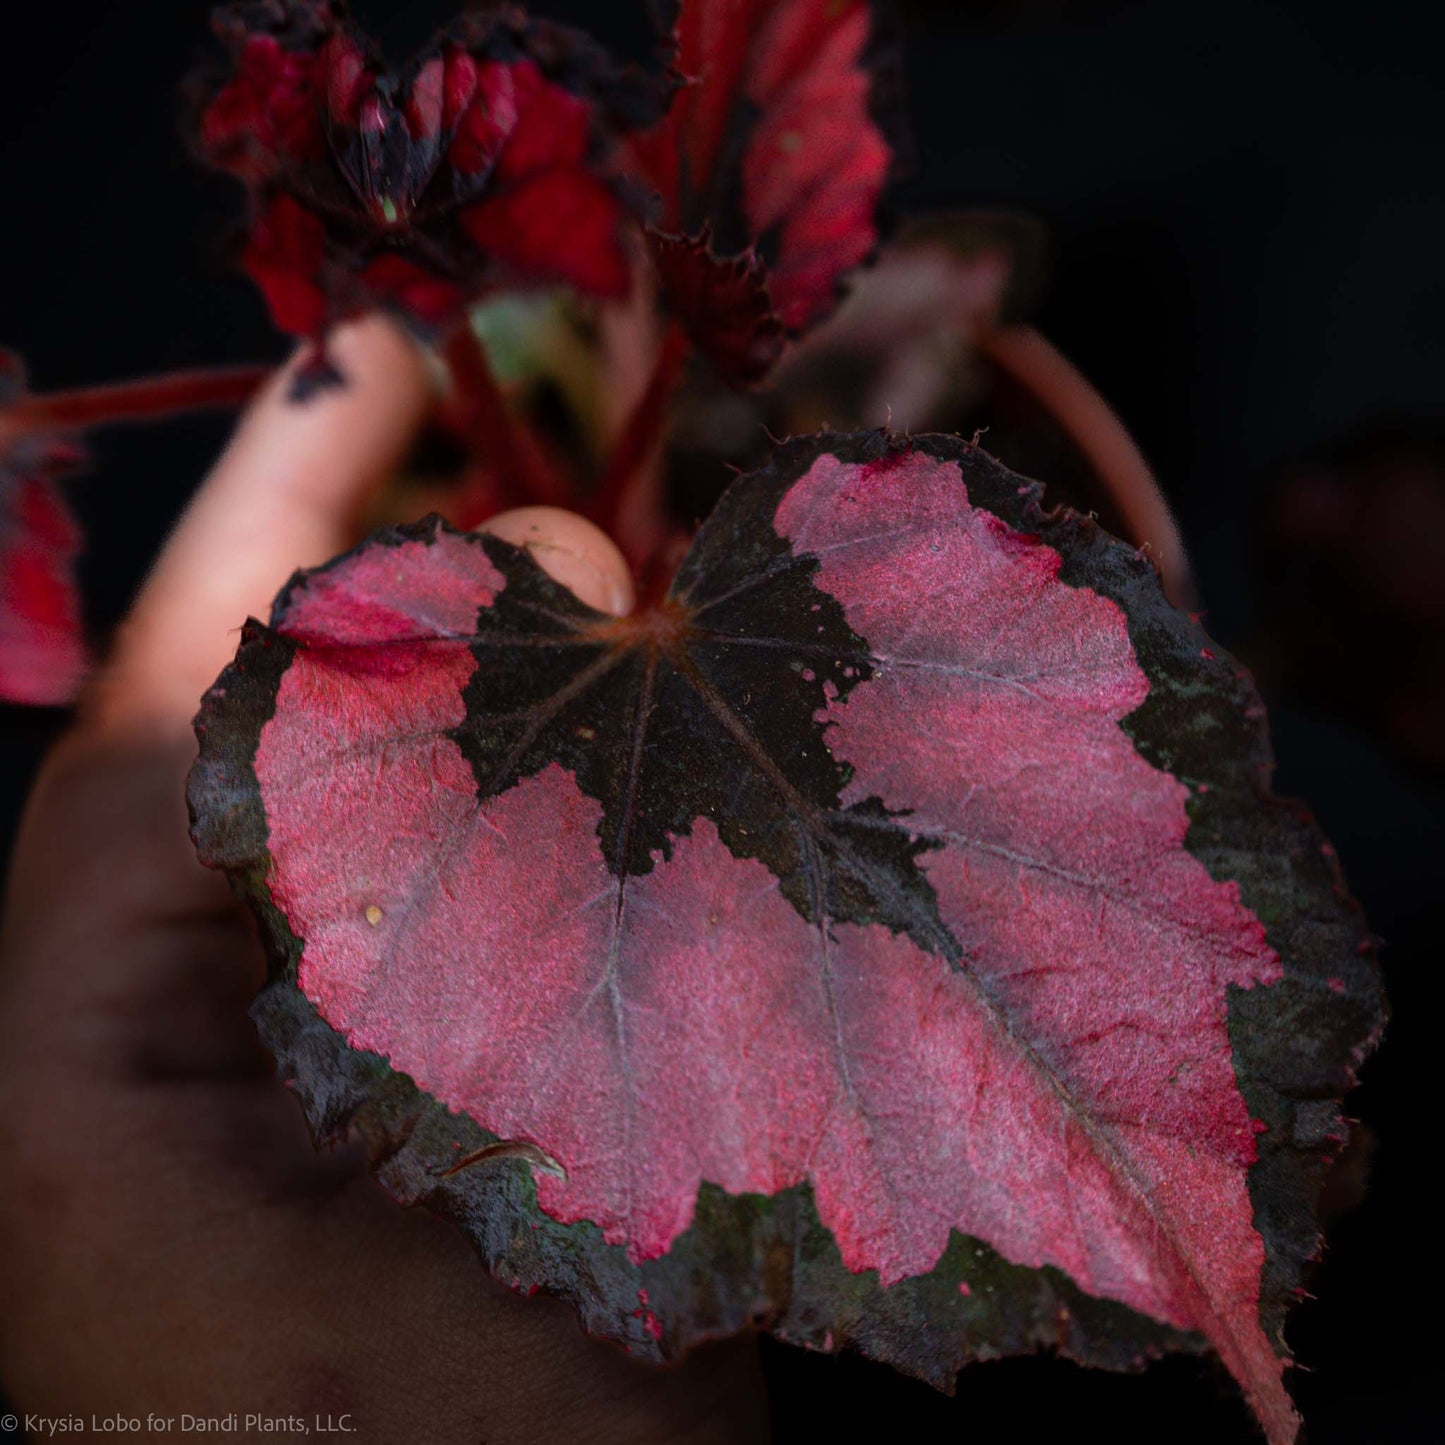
(170, 1242)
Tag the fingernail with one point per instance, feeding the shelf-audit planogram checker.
(573, 552)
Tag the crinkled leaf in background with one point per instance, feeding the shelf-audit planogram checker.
(916, 346)
(900, 351)
(725, 303)
(42, 648)
(481, 163)
(903, 348)
(890, 938)
(43, 656)
(776, 147)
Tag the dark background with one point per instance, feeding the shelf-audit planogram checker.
(1246, 205)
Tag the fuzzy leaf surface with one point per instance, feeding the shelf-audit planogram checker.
(888, 937)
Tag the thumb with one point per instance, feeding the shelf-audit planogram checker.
(287, 492)
(572, 551)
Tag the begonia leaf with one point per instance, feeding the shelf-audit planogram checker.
(902, 349)
(481, 164)
(43, 655)
(775, 144)
(888, 938)
(725, 301)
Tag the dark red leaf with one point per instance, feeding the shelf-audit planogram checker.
(890, 935)
(286, 258)
(417, 291)
(483, 163)
(42, 648)
(269, 112)
(555, 226)
(724, 304)
(774, 144)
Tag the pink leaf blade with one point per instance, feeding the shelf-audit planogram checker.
(1100, 862)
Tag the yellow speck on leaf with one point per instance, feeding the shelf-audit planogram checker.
(374, 915)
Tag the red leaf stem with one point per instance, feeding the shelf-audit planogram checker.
(1096, 430)
(147, 399)
(618, 505)
(513, 453)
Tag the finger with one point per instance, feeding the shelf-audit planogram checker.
(287, 493)
(583, 558)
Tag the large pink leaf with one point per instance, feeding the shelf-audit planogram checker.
(846, 870)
